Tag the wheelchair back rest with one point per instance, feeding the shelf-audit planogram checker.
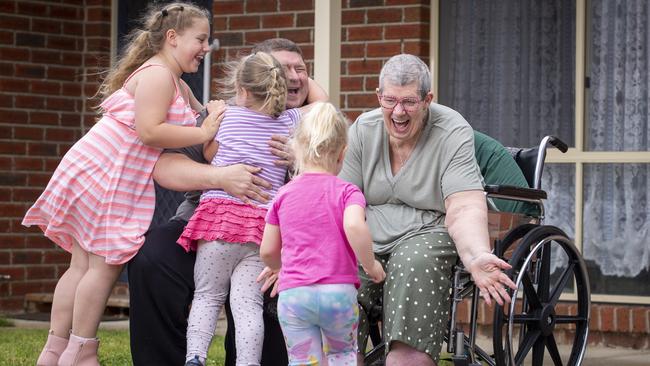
(526, 159)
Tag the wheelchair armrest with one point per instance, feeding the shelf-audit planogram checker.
(517, 192)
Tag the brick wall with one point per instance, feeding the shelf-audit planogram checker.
(47, 50)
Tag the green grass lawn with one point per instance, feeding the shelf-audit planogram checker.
(21, 347)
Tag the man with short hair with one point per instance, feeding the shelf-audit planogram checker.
(161, 274)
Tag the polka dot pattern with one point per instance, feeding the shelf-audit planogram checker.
(415, 294)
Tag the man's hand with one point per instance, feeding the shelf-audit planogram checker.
(486, 270)
(241, 182)
(281, 149)
(270, 278)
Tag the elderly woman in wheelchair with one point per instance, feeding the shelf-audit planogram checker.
(414, 161)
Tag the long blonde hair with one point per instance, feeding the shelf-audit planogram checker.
(320, 137)
(146, 41)
(262, 76)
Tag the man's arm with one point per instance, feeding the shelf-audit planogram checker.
(178, 172)
(466, 220)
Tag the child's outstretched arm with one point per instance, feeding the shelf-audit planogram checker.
(153, 91)
(271, 247)
(358, 234)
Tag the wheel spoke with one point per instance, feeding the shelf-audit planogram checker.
(551, 345)
(525, 345)
(544, 273)
(569, 319)
(531, 293)
(524, 318)
(538, 352)
(555, 296)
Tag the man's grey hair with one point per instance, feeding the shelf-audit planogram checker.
(405, 69)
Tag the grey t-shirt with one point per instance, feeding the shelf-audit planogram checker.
(412, 201)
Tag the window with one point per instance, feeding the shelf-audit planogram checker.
(510, 68)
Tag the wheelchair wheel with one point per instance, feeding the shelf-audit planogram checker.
(544, 265)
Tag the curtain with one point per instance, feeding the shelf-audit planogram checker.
(616, 206)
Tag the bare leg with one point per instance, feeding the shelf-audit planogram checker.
(64, 293)
(92, 293)
(402, 354)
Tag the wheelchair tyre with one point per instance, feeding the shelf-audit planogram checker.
(535, 320)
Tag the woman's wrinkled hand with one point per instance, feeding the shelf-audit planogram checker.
(487, 274)
(280, 148)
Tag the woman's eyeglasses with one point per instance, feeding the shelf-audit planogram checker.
(390, 102)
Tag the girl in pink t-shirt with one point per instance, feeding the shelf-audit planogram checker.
(315, 230)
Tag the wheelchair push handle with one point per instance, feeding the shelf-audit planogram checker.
(541, 156)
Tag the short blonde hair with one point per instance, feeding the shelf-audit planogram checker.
(320, 137)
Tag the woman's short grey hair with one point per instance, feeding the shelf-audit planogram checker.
(405, 69)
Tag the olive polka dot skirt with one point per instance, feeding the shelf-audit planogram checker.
(416, 293)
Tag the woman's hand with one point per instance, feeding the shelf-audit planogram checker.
(282, 150)
(240, 181)
(210, 126)
(270, 278)
(486, 270)
(376, 272)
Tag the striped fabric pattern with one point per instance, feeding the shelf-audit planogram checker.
(102, 195)
(244, 137)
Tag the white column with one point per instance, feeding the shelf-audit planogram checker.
(327, 47)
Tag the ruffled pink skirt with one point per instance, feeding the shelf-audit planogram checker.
(222, 219)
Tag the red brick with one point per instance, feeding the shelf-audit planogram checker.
(7, 7)
(39, 272)
(56, 256)
(16, 273)
(277, 21)
(256, 37)
(11, 304)
(219, 24)
(60, 104)
(78, 28)
(365, 3)
(244, 22)
(45, 57)
(60, 134)
(6, 38)
(26, 163)
(297, 35)
(361, 100)
(365, 33)
(640, 320)
(98, 14)
(228, 7)
(594, 320)
(45, 87)
(353, 114)
(354, 17)
(30, 71)
(43, 118)
(30, 40)
(416, 14)
(39, 242)
(71, 89)
(364, 67)
(28, 133)
(383, 49)
(22, 288)
(14, 22)
(351, 83)
(384, 15)
(5, 259)
(296, 5)
(261, 6)
(230, 39)
(623, 319)
(48, 25)
(12, 209)
(42, 149)
(13, 54)
(26, 194)
(372, 83)
(13, 85)
(607, 318)
(30, 8)
(29, 101)
(407, 31)
(65, 12)
(14, 148)
(353, 50)
(418, 48)
(408, 2)
(305, 20)
(63, 43)
(5, 163)
(96, 44)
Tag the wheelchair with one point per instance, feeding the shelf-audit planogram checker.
(545, 263)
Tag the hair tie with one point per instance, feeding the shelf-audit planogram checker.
(164, 12)
(180, 8)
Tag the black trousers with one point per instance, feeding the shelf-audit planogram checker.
(161, 287)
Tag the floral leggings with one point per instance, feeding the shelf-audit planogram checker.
(320, 319)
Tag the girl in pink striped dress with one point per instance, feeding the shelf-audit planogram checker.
(100, 199)
(227, 232)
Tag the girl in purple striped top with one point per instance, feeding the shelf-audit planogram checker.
(225, 231)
